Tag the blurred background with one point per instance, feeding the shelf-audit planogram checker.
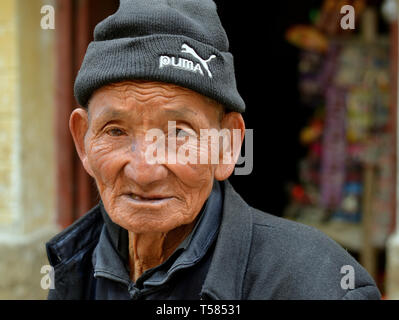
(321, 99)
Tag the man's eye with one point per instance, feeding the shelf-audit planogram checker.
(115, 132)
(182, 132)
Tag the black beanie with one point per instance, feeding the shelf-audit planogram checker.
(173, 41)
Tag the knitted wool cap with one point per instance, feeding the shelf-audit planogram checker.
(174, 41)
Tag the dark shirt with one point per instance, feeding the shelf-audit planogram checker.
(180, 277)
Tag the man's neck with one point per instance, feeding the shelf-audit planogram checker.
(148, 250)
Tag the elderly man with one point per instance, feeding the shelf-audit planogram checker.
(177, 229)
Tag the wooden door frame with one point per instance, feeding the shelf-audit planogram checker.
(75, 21)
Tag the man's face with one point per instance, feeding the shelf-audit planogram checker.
(139, 196)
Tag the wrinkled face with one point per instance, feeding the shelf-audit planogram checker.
(139, 196)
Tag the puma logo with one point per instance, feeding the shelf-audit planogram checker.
(204, 63)
(186, 64)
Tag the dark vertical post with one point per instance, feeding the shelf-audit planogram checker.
(83, 191)
(75, 22)
(64, 102)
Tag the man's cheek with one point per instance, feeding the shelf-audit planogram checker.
(208, 151)
(197, 152)
(189, 168)
(105, 162)
(192, 176)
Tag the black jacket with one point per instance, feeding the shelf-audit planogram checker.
(256, 256)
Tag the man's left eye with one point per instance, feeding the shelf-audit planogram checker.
(115, 132)
(181, 132)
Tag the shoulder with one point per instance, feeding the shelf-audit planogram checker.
(70, 253)
(76, 237)
(298, 261)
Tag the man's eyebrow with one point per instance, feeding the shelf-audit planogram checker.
(111, 114)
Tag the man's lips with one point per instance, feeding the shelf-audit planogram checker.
(139, 198)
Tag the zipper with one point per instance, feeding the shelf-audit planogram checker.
(136, 293)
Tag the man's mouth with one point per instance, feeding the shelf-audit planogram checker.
(148, 199)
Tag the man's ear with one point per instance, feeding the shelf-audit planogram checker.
(78, 125)
(233, 122)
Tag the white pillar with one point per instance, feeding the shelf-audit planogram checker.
(27, 165)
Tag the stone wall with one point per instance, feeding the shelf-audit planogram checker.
(27, 160)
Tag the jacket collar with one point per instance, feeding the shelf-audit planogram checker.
(225, 277)
(69, 251)
(76, 238)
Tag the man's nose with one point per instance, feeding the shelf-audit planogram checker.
(139, 170)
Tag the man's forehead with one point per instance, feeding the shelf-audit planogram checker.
(111, 102)
(141, 89)
(157, 98)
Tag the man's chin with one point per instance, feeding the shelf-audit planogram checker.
(146, 227)
(147, 220)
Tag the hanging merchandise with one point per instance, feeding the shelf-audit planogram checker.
(348, 89)
(310, 63)
(334, 149)
(307, 37)
(350, 207)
